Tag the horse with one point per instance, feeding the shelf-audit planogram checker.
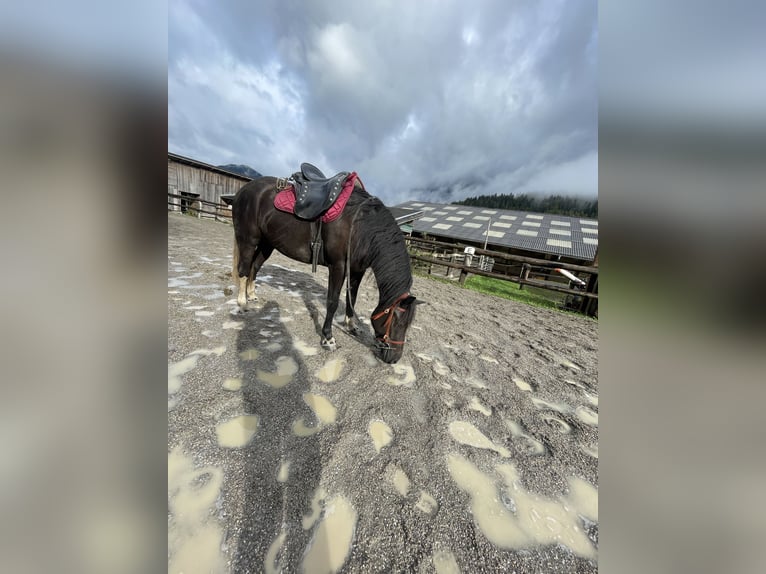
(364, 236)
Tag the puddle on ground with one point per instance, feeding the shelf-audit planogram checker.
(304, 349)
(175, 370)
(194, 536)
(557, 424)
(330, 371)
(575, 384)
(284, 471)
(316, 508)
(370, 360)
(440, 368)
(446, 386)
(204, 313)
(249, 354)
(523, 385)
(218, 351)
(445, 563)
(381, 434)
(566, 363)
(543, 404)
(332, 540)
(237, 432)
(587, 416)
(427, 503)
(529, 445)
(232, 384)
(476, 383)
(591, 398)
(423, 356)
(195, 307)
(477, 405)
(324, 411)
(400, 481)
(273, 347)
(286, 368)
(465, 433)
(406, 373)
(233, 325)
(286, 319)
(270, 564)
(489, 359)
(590, 450)
(524, 519)
(583, 496)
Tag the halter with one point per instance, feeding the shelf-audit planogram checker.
(384, 342)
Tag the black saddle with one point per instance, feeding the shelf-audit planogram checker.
(315, 193)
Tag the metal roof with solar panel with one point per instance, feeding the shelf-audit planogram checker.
(574, 237)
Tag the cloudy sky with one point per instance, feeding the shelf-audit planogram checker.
(436, 100)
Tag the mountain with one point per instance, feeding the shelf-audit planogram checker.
(245, 170)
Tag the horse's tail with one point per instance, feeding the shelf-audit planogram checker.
(235, 263)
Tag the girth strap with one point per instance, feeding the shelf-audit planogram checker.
(316, 247)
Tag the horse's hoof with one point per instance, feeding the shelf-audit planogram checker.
(350, 326)
(329, 344)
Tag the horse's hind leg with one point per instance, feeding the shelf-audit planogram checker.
(244, 254)
(263, 252)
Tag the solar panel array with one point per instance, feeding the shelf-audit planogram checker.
(539, 232)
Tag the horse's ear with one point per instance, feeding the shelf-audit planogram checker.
(420, 302)
(409, 301)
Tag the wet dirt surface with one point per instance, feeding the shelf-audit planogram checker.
(477, 451)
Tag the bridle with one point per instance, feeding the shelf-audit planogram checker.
(385, 342)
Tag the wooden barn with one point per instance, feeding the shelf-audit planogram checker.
(190, 180)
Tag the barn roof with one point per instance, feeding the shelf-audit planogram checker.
(207, 166)
(573, 237)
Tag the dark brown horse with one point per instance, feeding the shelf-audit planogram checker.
(364, 236)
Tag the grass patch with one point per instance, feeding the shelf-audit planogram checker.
(507, 290)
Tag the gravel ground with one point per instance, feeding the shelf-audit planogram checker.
(525, 378)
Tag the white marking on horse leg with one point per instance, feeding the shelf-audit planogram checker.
(329, 344)
(350, 324)
(242, 293)
(251, 296)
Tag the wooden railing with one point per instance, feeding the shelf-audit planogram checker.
(452, 256)
(187, 204)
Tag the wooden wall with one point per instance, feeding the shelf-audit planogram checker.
(208, 184)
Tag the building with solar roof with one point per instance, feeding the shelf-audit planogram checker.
(540, 235)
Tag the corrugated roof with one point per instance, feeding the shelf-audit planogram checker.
(574, 237)
(207, 166)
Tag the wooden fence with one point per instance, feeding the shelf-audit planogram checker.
(452, 256)
(195, 207)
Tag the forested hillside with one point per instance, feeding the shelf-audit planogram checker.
(556, 204)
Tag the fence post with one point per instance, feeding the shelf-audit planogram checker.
(524, 275)
(463, 276)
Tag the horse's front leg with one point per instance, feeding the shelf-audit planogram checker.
(333, 294)
(355, 280)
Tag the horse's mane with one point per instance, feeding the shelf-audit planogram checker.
(378, 242)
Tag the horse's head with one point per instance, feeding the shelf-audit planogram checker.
(390, 326)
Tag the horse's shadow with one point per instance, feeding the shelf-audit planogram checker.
(314, 296)
(272, 506)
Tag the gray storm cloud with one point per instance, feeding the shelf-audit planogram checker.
(422, 99)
